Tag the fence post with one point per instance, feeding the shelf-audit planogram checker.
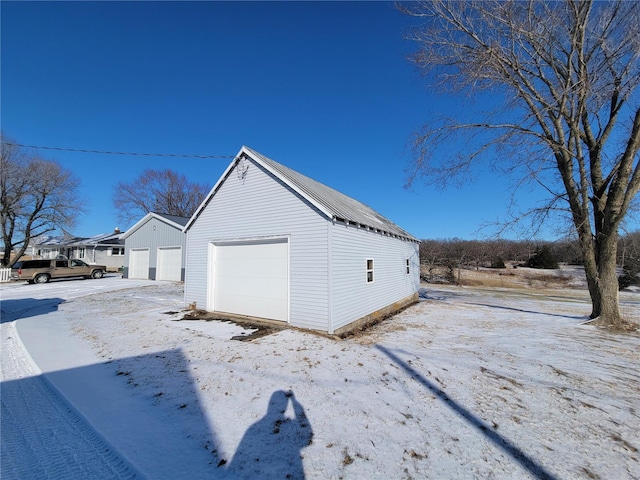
(5, 275)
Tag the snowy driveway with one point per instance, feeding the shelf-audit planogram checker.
(65, 415)
(468, 384)
(43, 435)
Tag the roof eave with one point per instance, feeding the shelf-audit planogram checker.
(145, 219)
(373, 229)
(247, 151)
(212, 192)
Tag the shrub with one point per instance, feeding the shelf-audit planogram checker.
(627, 280)
(630, 274)
(498, 263)
(543, 258)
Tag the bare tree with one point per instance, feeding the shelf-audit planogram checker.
(629, 254)
(159, 191)
(566, 76)
(37, 196)
(431, 258)
(456, 257)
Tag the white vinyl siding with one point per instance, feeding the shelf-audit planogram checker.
(260, 205)
(327, 276)
(352, 296)
(169, 264)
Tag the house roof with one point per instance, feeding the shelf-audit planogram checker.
(335, 205)
(173, 220)
(48, 240)
(103, 239)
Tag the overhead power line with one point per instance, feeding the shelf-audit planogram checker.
(105, 152)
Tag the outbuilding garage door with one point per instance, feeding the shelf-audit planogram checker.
(252, 278)
(139, 263)
(169, 263)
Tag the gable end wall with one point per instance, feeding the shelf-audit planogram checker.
(153, 234)
(259, 205)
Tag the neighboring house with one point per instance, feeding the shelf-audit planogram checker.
(104, 249)
(155, 248)
(269, 242)
(47, 246)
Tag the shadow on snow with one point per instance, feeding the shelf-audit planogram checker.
(271, 447)
(502, 307)
(42, 431)
(15, 309)
(529, 464)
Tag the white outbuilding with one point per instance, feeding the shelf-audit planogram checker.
(271, 243)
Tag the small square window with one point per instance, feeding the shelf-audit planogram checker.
(369, 270)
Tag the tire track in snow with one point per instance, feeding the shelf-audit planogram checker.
(42, 435)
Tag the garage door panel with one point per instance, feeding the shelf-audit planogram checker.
(170, 263)
(271, 308)
(247, 255)
(252, 288)
(139, 263)
(252, 279)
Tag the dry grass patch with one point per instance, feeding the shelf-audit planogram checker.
(566, 277)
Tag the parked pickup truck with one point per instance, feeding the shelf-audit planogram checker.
(41, 271)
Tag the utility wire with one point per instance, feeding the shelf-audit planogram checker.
(104, 152)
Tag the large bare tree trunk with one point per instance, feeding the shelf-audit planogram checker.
(602, 280)
(600, 253)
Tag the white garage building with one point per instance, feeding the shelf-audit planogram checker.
(271, 243)
(155, 248)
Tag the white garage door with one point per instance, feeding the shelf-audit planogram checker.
(252, 278)
(169, 263)
(139, 263)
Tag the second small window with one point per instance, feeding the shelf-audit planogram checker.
(369, 270)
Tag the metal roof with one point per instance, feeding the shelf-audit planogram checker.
(102, 239)
(50, 240)
(182, 221)
(68, 241)
(336, 205)
(173, 220)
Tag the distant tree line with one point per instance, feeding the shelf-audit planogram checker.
(446, 258)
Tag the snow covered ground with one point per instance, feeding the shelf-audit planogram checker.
(469, 383)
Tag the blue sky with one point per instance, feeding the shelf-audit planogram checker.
(322, 87)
